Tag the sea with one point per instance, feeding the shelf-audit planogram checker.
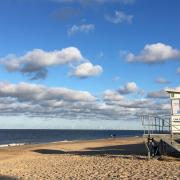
(14, 137)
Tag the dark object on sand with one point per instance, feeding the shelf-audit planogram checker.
(113, 135)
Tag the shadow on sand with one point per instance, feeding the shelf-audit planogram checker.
(130, 149)
(7, 178)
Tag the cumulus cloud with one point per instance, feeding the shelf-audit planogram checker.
(119, 17)
(38, 100)
(87, 69)
(138, 107)
(84, 28)
(158, 94)
(130, 87)
(35, 100)
(161, 80)
(154, 53)
(35, 63)
(41, 101)
(111, 95)
(34, 92)
(162, 94)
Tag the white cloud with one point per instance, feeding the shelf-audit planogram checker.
(135, 107)
(119, 17)
(162, 94)
(158, 94)
(154, 53)
(84, 28)
(177, 88)
(38, 58)
(174, 89)
(87, 69)
(33, 92)
(42, 101)
(161, 80)
(35, 63)
(130, 87)
(110, 95)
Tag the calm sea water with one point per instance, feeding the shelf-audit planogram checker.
(44, 136)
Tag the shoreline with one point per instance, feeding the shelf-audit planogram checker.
(63, 141)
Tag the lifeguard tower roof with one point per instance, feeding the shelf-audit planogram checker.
(172, 91)
(174, 94)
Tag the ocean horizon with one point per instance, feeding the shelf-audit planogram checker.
(12, 137)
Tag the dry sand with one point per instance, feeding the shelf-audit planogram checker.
(120, 158)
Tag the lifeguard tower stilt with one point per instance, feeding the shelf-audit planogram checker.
(161, 132)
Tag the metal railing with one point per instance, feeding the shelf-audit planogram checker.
(156, 125)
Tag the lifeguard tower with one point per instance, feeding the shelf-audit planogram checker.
(162, 132)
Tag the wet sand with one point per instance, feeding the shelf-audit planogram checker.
(119, 158)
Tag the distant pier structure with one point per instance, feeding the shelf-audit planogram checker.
(163, 132)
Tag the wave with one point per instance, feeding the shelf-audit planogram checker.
(12, 144)
(63, 141)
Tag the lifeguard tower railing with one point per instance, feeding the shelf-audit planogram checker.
(158, 134)
(153, 124)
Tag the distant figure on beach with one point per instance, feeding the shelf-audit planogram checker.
(113, 135)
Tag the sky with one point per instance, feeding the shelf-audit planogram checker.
(87, 64)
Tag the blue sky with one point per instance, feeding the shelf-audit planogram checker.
(86, 64)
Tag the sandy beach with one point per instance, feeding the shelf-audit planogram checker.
(119, 158)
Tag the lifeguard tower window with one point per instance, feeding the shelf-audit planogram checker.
(176, 106)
